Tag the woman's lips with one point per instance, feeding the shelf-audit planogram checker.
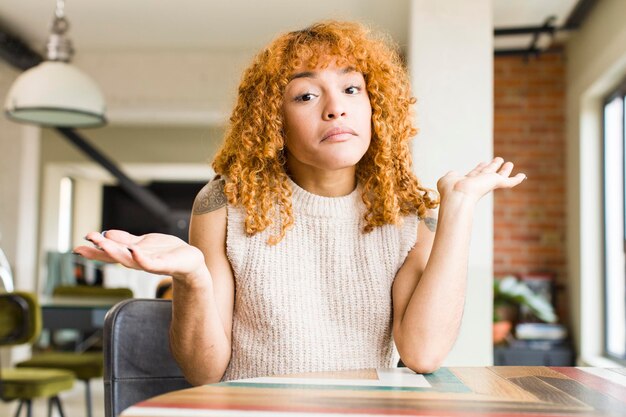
(338, 134)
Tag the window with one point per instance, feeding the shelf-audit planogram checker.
(614, 125)
(66, 197)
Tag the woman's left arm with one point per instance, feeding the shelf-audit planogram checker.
(429, 289)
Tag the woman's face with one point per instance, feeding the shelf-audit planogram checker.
(327, 119)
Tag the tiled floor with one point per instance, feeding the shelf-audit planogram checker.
(73, 402)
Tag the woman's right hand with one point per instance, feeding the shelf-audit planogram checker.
(154, 252)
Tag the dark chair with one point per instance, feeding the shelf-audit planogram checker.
(138, 363)
(20, 323)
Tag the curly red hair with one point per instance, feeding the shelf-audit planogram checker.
(252, 157)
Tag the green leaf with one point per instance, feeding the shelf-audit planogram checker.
(509, 290)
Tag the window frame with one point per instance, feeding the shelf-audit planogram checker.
(618, 91)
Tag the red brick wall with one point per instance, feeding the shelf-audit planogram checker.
(529, 129)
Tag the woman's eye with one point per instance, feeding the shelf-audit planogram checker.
(353, 89)
(305, 97)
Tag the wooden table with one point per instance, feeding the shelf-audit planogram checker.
(499, 391)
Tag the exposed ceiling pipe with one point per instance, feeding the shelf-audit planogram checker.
(574, 21)
(533, 48)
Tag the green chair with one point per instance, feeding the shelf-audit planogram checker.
(20, 323)
(85, 365)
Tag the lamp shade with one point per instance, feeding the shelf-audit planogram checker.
(55, 93)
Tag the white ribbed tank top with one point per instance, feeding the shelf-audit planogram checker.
(320, 300)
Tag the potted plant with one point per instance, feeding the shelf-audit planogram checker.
(509, 294)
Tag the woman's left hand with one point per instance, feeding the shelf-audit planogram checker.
(486, 177)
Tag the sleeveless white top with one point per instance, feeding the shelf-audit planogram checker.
(319, 300)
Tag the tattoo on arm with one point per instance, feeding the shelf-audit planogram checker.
(431, 223)
(210, 198)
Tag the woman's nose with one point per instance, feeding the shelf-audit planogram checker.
(334, 108)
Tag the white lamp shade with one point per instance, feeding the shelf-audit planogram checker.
(55, 94)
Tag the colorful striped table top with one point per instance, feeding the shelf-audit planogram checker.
(498, 391)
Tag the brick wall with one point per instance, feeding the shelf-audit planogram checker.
(529, 129)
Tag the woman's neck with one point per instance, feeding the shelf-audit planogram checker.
(326, 183)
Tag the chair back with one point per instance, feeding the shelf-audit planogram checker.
(20, 318)
(138, 363)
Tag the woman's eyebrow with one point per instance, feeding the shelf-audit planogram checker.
(303, 74)
(313, 74)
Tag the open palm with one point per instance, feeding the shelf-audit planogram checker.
(154, 252)
(486, 177)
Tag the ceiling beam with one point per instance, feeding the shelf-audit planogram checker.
(140, 194)
(523, 30)
(580, 12)
(16, 53)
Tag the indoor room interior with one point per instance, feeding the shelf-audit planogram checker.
(539, 83)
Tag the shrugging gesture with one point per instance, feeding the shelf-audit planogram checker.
(154, 252)
(316, 192)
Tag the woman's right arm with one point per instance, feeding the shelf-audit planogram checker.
(202, 310)
(203, 282)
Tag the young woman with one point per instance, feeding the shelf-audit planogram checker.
(316, 248)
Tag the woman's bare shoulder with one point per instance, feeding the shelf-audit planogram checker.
(211, 197)
(208, 223)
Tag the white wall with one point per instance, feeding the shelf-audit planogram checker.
(451, 63)
(19, 159)
(596, 62)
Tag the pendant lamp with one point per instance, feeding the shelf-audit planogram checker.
(55, 93)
